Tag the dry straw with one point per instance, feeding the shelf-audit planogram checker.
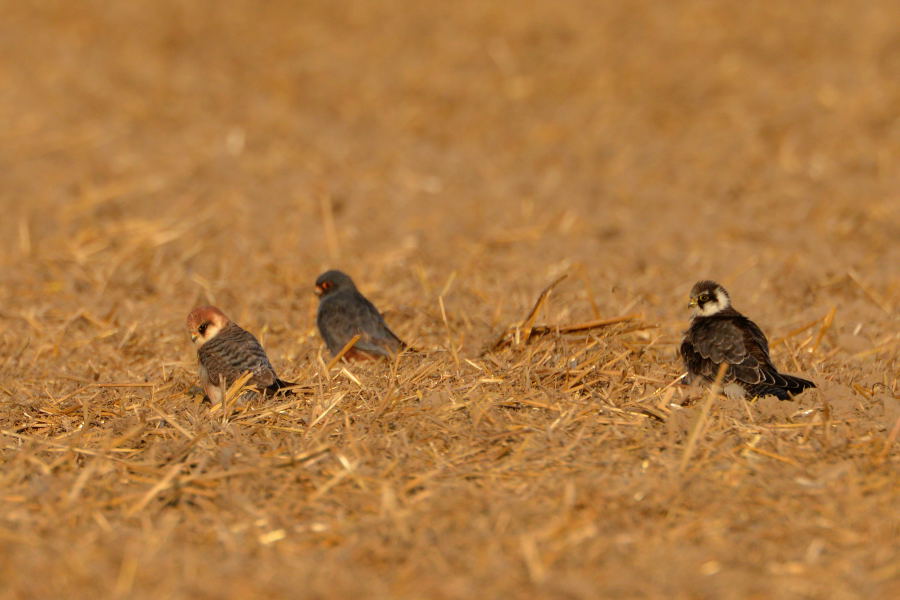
(456, 158)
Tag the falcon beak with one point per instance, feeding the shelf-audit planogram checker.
(194, 337)
(318, 291)
(692, 303)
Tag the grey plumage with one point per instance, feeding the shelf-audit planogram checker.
(344, 312)
(718, 333)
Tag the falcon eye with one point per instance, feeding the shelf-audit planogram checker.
(704, 298)
(326, 285)
(202, 328)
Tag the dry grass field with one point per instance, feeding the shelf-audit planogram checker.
(456, 158)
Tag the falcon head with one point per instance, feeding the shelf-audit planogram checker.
(204, 322)
(333, 281)
(708, 298)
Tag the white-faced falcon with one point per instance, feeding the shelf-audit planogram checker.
(718, 333)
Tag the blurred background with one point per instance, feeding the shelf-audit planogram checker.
(642, 139)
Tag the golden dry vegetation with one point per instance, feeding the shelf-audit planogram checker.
(455, 158)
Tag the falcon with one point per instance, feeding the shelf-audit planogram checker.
(225, 351)
(344, 312)
(718, 333)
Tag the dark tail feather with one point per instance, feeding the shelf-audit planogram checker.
(387, 347)
(279, 385)
(408, 349)
(400, 344)
(795, 385)
(786, 387)
(767, 389)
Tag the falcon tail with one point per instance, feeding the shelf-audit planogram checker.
(786, 387)
(279, 385)
(407, 348)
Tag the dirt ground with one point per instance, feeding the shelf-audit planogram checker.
(455, 158)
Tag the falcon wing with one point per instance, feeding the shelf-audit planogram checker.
(342, 317)
(235, 351)
(376, 331)
(736, 341)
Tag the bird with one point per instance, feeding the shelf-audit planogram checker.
(344, 312)
(720, 334)
(225, 351)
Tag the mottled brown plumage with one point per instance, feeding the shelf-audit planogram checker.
(225, 351)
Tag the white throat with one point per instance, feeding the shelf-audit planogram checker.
(711, 308)
(211, 331)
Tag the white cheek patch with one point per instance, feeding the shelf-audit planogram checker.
(722, 302)
(710, 308)
(211, 332)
